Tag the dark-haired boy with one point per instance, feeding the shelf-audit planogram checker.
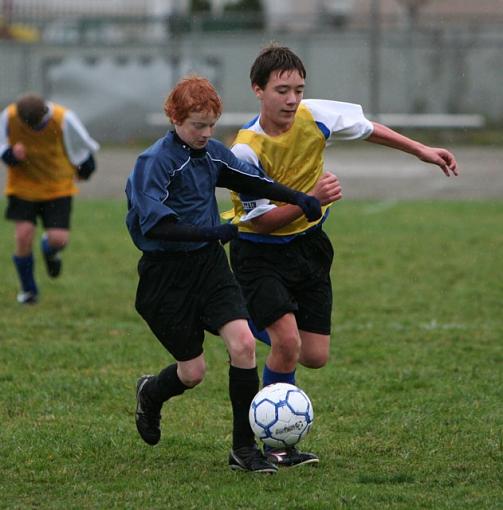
(282, 261)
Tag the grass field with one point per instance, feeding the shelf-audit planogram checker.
(408, 414)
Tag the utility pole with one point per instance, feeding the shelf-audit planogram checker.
(375, 58)
(412, 8)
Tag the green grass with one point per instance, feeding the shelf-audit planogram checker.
(408, 413)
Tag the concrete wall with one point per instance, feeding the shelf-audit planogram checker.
(114, 88)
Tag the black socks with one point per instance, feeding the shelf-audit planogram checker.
(166, 385)
(243, 386)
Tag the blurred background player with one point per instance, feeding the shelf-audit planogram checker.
(45, 147)
(185, 282)
(281, 260)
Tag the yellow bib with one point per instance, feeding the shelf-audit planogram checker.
(47, 172)
(294, 158)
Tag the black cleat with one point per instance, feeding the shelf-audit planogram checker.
(148, 415)
(53, 262)
(250, 458)
(290, 457)
(53, 265)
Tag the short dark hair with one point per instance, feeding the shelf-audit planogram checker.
(31, 109)
(274, 58)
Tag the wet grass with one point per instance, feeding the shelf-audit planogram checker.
(408, 414)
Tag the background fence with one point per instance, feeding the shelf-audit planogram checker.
(116, 70)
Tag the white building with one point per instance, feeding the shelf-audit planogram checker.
(300, 15)
(48, 8)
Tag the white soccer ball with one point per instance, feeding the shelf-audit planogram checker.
(281, 415)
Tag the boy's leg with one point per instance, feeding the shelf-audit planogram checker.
(280, 367)
(261, 335)
(314, 350)
(243, 378)
(24, 262)
(243, 386)
(285, 348)
(56, 220)
(153, 390)
(52, 243)
(173, 316)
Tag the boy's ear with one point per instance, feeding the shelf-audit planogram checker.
(257, 91)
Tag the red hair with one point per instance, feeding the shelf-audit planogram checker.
(192, 94)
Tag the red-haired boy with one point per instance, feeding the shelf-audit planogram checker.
(185, 283)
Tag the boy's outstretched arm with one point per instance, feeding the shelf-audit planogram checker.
(384, 135)
(263, 187)
(326, 190)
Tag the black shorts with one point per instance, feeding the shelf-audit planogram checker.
(181, 295)
(54, 213)
(281, 278)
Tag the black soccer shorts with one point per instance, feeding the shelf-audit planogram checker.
(54, 213)
(277, 279)
(180, 295)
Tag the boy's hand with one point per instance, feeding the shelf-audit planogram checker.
(19, 151)
(327, 189)
(224, 233)
(440, 157)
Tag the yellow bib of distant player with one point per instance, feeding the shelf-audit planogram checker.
(46, 173)
(294, 158)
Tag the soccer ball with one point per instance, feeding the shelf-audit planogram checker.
(281, 415)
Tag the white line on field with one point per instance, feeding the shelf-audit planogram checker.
(379, 207)
(399, 326)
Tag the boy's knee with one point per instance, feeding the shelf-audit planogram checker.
(58, 239)
(318, 360)
(192, 376)
(244, 348)
(287, 348)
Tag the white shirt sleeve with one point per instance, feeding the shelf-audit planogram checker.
(342, 121)
(78, 143)
(4, 141)
(252, 208)
(246, 153)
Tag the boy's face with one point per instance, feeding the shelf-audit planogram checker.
(196, 129)
(281, 97)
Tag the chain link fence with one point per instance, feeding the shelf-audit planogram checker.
(114, 61)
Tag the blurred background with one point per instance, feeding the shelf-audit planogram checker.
(410, 63)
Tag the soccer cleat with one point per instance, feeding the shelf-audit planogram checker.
(27, 298)
(53, 261)
(250, 458)
(148, 415)
(290, 457)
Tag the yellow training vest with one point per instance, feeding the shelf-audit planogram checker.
(47, 173)
(294, 158)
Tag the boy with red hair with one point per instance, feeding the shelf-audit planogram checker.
(186, 285)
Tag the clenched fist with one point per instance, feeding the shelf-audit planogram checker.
(327, 189)
(19, 151)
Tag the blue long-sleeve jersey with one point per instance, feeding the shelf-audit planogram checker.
(172, 179)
